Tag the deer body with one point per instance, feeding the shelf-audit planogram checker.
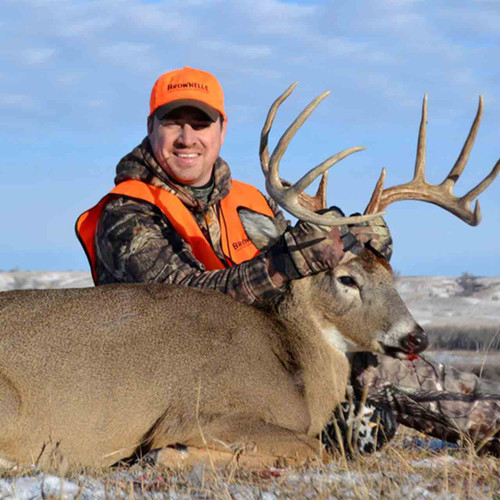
(100, 372)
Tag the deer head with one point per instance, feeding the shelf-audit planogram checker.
(363, 306)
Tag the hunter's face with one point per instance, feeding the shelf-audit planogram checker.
(186, 144)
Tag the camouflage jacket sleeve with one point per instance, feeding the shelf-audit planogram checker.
(135, 243)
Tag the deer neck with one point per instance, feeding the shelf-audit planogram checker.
(294, 309)
(298, 311)
(319, 369)
(302, 322)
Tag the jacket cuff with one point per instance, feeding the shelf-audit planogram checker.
(282, 268)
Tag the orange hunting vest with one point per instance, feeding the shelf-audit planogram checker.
(235, 244)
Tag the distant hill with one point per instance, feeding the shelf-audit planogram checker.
(432, 300)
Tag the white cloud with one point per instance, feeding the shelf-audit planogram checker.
(464, 77)
(156, 18)
(67, 79)
(84, 28)
(138, 57)
(342, 48)
(97, 103)
(258, 72)
(274, 17)
(479, 23)
(126, 49)
(392, 46)
(239, 50)
(38, 3)
(400, 3)
(16, 101)
(37, 56)
(396, 92)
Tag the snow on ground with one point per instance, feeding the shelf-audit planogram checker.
(437, 299)
(328, 481)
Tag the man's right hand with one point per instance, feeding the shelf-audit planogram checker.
(312, 248)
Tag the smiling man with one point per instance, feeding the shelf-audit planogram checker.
(186, 143)
(185, 132)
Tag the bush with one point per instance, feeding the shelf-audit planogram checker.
(469, 284)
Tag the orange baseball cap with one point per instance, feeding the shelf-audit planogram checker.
(187, 87)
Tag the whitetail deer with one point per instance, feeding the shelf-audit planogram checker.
(101, 374)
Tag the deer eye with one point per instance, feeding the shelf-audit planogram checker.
(347, 281)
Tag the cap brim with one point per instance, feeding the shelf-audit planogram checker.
(162, 111)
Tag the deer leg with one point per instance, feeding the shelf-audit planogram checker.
(189, 456)
(250, 443)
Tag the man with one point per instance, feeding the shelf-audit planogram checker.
(135, 235)
(172, 218)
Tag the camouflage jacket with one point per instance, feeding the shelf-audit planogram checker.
(135, 243)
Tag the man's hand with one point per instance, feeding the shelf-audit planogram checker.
(307, 248)
(314, 248)
(374, 234)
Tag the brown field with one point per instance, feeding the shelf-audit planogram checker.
(472, 335)
(403, 469)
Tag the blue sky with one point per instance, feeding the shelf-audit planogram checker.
(75, 78)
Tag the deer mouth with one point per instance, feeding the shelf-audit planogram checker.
(410, 345)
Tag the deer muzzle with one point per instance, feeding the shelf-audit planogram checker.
(415, 342)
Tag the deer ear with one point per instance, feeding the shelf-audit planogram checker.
(263, 231)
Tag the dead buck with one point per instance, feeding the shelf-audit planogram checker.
(106, 373)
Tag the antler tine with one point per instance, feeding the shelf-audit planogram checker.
(319, 200)
(279, 151)
(422, 133)
(306, 180)
(291, 197)
(288, 198)
(377, 194)
(438, 194)
(462, 159)
(476, 191)
(312, 203)
(264, 136)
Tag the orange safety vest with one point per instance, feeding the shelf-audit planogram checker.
(235, 243)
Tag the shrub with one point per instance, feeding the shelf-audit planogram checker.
(469, 284)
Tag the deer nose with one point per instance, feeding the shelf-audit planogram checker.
(416, 341)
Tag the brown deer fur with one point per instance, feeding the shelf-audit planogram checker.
(101, 373)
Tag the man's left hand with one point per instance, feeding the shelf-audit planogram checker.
(374, 234)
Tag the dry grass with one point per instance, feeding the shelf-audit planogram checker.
(470, 337)
(401, 470)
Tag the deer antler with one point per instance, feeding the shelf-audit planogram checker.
(439, 194)
(292, 197)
